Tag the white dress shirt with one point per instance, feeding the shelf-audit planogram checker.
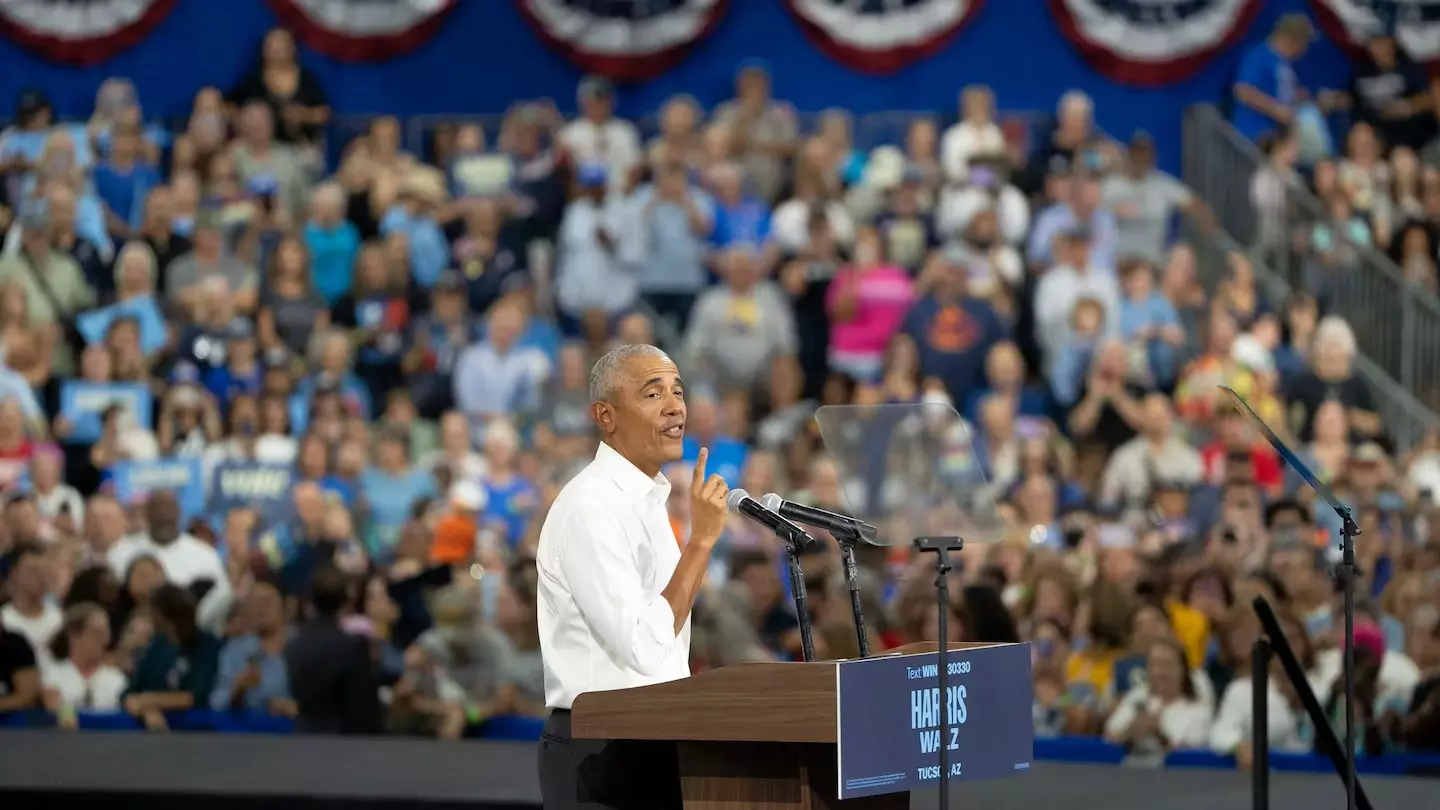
(606, 553)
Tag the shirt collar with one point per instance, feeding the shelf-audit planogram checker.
(629, 477)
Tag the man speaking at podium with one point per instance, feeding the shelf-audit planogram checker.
(616, 587)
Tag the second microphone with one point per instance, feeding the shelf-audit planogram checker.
(740, 502)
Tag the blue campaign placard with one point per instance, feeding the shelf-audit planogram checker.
(889, 724)
(264, 488)
(95, 324)
(83, 402)
(134, 480)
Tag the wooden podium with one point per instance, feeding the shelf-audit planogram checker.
(759, 735)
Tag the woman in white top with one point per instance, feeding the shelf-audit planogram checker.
(1164, 714)
(1288, 729)
(80, 679)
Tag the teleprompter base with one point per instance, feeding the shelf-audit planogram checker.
(802, 776)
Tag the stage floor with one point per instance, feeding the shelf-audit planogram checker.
(47, 769)
(1058, 786)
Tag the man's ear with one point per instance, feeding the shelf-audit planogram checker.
(604, 417)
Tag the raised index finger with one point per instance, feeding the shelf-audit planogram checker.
(698, 479)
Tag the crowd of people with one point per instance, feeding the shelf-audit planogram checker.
(1351, 175)
(277, 440)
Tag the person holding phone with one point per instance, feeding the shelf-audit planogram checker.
(251, 673)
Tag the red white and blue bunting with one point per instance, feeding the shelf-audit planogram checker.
(623, 40)
(1415, 24)
(362, 30)
(1148, 43)
(81, 32)
(882, 36)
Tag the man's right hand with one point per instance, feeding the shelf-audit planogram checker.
(707, 503)
(249, 679)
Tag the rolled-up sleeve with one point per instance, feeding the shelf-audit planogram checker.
(637, 629)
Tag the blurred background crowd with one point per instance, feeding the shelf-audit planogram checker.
(261, 391)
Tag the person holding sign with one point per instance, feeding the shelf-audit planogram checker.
(604, 622)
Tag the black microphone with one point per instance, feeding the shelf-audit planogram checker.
(740, 502)
(837, 524)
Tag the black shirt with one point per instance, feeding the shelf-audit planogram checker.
(1308, 392)
(15, 657)
(166, 251)
(490, 271)
(308, 93)
(908, 238)
(92, 266)
(812, 322)
(1373, 87)
(1111, 430)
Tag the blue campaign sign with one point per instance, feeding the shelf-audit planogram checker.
(95, 324)
(83, 403)
(889, 726)
(134, 480)
(264, 488)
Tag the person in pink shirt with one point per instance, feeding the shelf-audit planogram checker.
(867, 302)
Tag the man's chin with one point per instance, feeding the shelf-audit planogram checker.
(674, 449)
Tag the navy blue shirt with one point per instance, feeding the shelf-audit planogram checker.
(953, 339)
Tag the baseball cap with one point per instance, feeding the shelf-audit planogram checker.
(1369, 453)
(595, 87)
(467, 496)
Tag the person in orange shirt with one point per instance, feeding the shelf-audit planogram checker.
(456, 530)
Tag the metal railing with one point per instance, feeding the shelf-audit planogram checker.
(868, 130)
(1396, 323)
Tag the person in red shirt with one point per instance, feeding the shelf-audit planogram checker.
(16, 448)
(1235, 437)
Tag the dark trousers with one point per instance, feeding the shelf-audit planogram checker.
(612, 774)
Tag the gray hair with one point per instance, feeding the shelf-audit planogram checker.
(605, 374)
(1075, 101)
(1333, 329)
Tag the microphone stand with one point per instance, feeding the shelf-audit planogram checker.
(847, 540)
(941, 547)
(1348, 532)
(797, 589)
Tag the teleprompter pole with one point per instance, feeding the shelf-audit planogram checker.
(1260, 724)
(941, 548)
